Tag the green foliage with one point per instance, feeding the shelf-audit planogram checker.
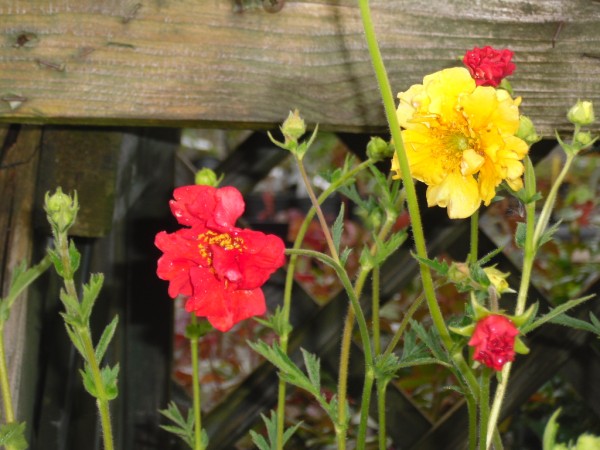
(109, 379)
(277, 322)
(91, 290)
(556, 314)
(182, 428)
(12, 435)
(105, 338)
(271, 425)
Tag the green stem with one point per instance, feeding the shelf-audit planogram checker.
(484, 408)
(411, 195)
(102, 399)
(315, 202)
(289, 282)
(342, 387)
(84, 336)
(474, 238)
(382, 433)
(196, 390)
(404, 323)
(364, 408)
(9, 414)
(375, 323)
(472, 411)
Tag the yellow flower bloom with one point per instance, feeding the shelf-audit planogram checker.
(460, 140)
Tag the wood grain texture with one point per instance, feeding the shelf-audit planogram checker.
(215, 62)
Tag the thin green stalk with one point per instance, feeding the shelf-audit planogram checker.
(474, 237)
(364, 408)
(484, 408)
(411, 196)
(472, 411)
(375, 323)
(381, 429)
(196, 390)
(84, 335)
(289, 282)
(342, 387)
(404, 323)
(9, 414)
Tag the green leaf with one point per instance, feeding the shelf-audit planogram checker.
(487, 258)
(554, 313)
(12, 435)
(520, 234)
(386, 366)
(313, 368)
(386, 249)
(106, 337)
(91, 290)
(547, 235)
(344, 255)
(430, 339)
(440, 267)
(88, 381)
(23, 277)
(338, 228)
(110, 380)
(550, 432)
(75, 339)
(276, 321)
(57, 262)
(74, 256)
(578, 324)
(271, 426)
(184, 429)
(72, 306)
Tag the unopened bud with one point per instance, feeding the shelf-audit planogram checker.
(498, 279)
(61, 209)
(294, 127)
(527, 131)
(206, 177)
(582, 113)
(584, 138)
(378, 149)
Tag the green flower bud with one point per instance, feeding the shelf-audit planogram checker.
(498, 279)
(61, 210)
(378, 149)
(584, 138)
(206, 177)
(582, 113)
(294, 127)
(527, 131)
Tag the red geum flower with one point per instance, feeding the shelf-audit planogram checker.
(489, 66)
(494, 341)
(219, 267)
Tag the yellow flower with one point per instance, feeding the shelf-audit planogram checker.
(460, 140)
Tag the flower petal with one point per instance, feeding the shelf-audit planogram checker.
(458, 193)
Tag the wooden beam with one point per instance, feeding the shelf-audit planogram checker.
(216, 62)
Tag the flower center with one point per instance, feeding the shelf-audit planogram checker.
(223, 240)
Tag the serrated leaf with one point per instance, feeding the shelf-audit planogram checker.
(88, 381)
(338, 228)
(385, 249)
(91, 290)
(73, 336)
(430, 339)
(71, 304)
(547, 235)
(74, 256)
(423, 361)
(105, 338)
(411, 349)
(489, 256)
(259, 440)
(110, 378)
(313, 368)
(554, 313)
(12, 435)
(366, 260)
(575, 323)
(184, 429)
(440, 267)
(520, 234)
(276, 321)
(344, 255)
(479, 276)
(271, 426)
(57, 262)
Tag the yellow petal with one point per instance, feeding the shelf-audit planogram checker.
(458, 193)
(471, 162)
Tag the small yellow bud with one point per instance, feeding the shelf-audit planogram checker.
(582, 113)
(527, 131)
(206, 177)
(61, 210)
(294, 127)
(378, 149)
(498, 279)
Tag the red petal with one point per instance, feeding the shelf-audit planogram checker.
(193, 204)
(263, 255)
(229, 207)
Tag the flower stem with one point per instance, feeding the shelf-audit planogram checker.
(9, 414)
(375, 323)
(472, 411)
(289, 281)
(484, 408)
(474, 237)
(196, 389)
(382, 433)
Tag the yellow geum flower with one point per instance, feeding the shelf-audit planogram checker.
(460, 140)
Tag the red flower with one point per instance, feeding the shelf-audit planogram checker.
(494, 341)
(489, 66)
(219, 267)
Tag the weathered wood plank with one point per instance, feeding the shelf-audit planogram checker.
(186, 62)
